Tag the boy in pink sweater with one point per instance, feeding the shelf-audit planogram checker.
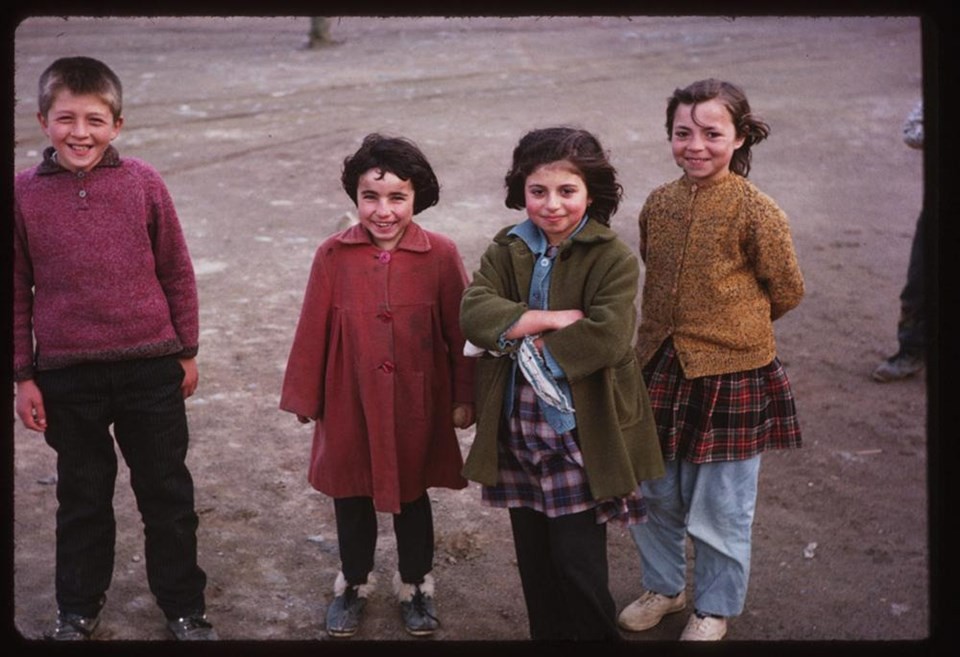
(106, 333)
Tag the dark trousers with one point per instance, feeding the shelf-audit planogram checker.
(912, 325)
(357, 538)
(143, 402)
(563, 570)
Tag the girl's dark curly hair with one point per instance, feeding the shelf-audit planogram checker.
(747, 125)
(398, 156)
(576, 146)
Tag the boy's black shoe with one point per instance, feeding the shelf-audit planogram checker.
(73, 627)
(192, 628)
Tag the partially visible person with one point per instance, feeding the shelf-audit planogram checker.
(377, 362)
(912, 325)
(565, 432)
(106, 333)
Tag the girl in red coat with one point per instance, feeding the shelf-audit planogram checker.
(377, 361)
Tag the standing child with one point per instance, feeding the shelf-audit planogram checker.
(720, 267)
(104, 287)
(377, 361)
(565, 432)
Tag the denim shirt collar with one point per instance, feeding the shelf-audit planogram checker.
(535, 238)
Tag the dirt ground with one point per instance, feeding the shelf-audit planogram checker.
(249, 130)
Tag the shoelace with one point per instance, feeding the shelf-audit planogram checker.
(701, 624)
(653, 600)
(420, 605)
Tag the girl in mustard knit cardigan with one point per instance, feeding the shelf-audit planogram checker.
(720, 267)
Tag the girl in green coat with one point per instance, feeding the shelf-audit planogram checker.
(564, 428)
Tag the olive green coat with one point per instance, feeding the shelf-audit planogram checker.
(597, 273)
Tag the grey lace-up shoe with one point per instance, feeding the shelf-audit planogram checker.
(417, 609)
(346, 610)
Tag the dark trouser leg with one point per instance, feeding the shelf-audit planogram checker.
(77, 401)
(563, 570)
(151, 431)
(413, 527)
(356, 536)
(911, 328)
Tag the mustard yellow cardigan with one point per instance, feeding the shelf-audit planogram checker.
(720, 267)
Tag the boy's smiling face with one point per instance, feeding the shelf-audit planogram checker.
(80, 128)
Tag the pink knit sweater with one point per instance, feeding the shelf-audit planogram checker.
(101, 267)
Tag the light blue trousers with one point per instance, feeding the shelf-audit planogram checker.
(714, 504)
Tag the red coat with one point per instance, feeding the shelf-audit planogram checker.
(377, 360)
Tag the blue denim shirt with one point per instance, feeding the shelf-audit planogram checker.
(538, 299)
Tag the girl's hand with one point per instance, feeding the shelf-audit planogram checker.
(30, 406)
(191, 376)
(463, 415)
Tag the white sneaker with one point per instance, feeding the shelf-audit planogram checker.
(708, 628)
(648, 610)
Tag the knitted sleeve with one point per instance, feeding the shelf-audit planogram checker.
(22, 302)
(173, 265)
(774, 258)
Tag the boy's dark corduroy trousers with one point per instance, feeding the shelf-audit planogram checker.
(143, 402)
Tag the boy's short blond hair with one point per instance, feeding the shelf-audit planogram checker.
(80, 76)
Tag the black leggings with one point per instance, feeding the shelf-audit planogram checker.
(357, 537)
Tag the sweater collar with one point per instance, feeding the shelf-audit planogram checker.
(50, 165)
(694, 185)
(414, 238)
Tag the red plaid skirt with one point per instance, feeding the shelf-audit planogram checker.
(725, 417)
(542, 470)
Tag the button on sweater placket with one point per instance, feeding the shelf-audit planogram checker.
(82, 193)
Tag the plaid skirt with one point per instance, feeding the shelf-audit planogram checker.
(542, 470)
(725, 417)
